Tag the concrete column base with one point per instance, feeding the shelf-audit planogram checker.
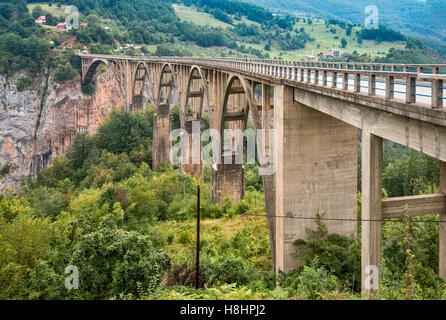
(228, 180)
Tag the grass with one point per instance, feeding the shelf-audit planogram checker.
(191, 14)
(326, 41)
(200, 18)
(53, 9)
(214, 232)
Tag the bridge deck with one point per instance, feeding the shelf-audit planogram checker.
(416, 91)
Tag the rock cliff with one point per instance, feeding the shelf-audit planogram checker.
(39, 123)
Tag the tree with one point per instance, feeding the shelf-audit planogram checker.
(37, 12)
(113, 262)
(343, 43)
(123, 132)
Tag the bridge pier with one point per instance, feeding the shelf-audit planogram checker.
(371, 210)
(161, 132)
(316, 172)
(193, 163)
(228, 180)
(442, 226)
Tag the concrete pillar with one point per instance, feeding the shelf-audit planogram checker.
(371, 210)
(316, 172)
(161, 132)
(193, 165)
(442, 226)
(228, 180)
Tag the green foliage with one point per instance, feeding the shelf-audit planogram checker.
(65, 72)
(88, 89)
(410, 173)
(23, 83)
(339, 254)
(114, 262)
(313, 282)
(123, 132)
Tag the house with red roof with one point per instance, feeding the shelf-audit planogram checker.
(41, 20)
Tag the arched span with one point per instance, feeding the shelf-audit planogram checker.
(241, 114)
(166, 84)
(92, 69)
(141, 74)
(88, 77)
(196, 73)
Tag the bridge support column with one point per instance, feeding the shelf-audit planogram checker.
(442, 226)
(228, 180)
(193, 165)
(371, 210)
(316, 172)
(161, 132)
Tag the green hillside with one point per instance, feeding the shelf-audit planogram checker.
(193, 27)
(425, 18)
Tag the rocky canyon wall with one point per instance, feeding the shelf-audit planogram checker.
(35, 128)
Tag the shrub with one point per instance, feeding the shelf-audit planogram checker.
(65, 72)
(184, 238)
(114, 262)
(339, 254)
(313, 282)
(218, 270)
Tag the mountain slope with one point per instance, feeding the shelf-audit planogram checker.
(422, 17)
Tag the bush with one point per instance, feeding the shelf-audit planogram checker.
(65, 72)
(313, 282)
(114, 262)
(339, 254)
(219, 270)
(23, 83)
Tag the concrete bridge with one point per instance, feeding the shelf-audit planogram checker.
(316, 109)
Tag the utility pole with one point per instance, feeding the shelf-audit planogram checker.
(197, 266)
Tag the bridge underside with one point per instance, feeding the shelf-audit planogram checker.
(316, 126)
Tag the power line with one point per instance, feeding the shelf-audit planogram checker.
(344, 219)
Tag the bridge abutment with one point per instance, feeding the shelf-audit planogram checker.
(316, 172)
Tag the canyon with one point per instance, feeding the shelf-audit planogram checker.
(39, 123)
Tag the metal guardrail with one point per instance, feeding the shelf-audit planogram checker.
(414, 83)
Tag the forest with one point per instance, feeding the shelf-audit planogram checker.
(130, 230)
(27, 46)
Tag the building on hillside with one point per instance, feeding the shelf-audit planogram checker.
(41, 20)
(63, 26)
(334, 52)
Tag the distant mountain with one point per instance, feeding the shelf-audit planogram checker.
(421, 17)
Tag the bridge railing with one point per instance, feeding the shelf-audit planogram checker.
(411, 83)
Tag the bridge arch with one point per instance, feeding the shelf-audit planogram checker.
(91, 70)
(88, 77)
(161, 127)
(166, 82)
(228, 176)
(191, 92)
(236, 87)
(142, 72)
(195, 91)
